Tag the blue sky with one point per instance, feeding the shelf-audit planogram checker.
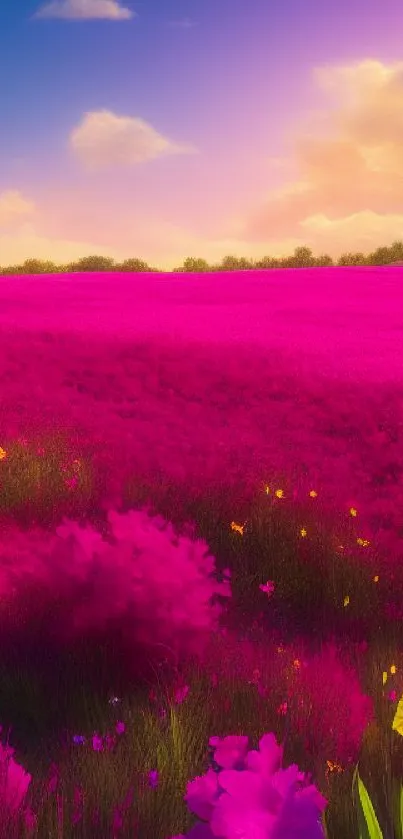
(165, 130)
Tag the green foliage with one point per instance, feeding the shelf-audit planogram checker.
(367, 820)
(301, 258)
(323, 261)
(352, 259)
(267, 262)
(93, 263)
(133, 265)
(381, 256)
(236, 263)
(194, 264)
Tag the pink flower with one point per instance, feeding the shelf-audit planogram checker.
(14, 780)
(229, 751)
(268, 587)
(97, 743)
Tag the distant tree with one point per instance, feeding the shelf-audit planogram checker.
(396, 251)
(301, 258)
(11, 270)
(133, 265)
(38, 266)
(236, 263)
(93, 263)
(381, 256)
(352, 259)
(323, 261)
(195, 265)
(267, 262)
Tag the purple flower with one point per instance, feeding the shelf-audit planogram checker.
(153, 778)
(97, 743)
(78, 739)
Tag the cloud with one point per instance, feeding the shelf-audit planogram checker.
(85, 10)
(26, 243)
(351, 178)
(104, 139)
(13, 207)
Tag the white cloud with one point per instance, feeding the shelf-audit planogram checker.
(105, 139)
(350, 177)
(13, 206)
(85, 10)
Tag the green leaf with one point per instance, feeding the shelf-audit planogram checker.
(397, 724)
(373, 830)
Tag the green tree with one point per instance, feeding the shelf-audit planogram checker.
(267, 262)
(381, 256)
(194, 265)
(38, 266)
(323, 261)
(236, 263)
(133, 265)
(10, 270)
(93, 263)
(396, 251)
(301, 258)
(352, 259)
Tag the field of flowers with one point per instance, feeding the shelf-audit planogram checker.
(200, 556)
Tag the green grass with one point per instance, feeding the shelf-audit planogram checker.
(44, 707)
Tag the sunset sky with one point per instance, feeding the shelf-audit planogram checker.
(163, 129)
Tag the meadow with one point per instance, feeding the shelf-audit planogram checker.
(200, 509)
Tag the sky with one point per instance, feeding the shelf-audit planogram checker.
(161, 130)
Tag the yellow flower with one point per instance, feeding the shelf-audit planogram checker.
(393, 669)
(376, 578)
(303, 531)
(353, 511)
(346, 601)
(313, 494)
(279, 493)
(3, 454)
(238, 527)
(384, 677)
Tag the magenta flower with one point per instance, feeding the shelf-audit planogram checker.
(153, 778)
(14, 780)
(181, 694)
(268, 587)
(229, 751)
(202, 795)
(97, 743)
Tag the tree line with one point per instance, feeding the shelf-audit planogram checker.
(301, 258)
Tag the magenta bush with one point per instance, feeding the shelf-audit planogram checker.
(156, 586)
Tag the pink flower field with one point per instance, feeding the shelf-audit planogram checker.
(201, 511)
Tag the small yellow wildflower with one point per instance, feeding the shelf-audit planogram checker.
(393, 669)
(279, 493)
(303, 531)
(384, 677)
(3, 454)
(238, 527)
(313, 494)
(353, 511)
(376, 578)
(346, 601)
